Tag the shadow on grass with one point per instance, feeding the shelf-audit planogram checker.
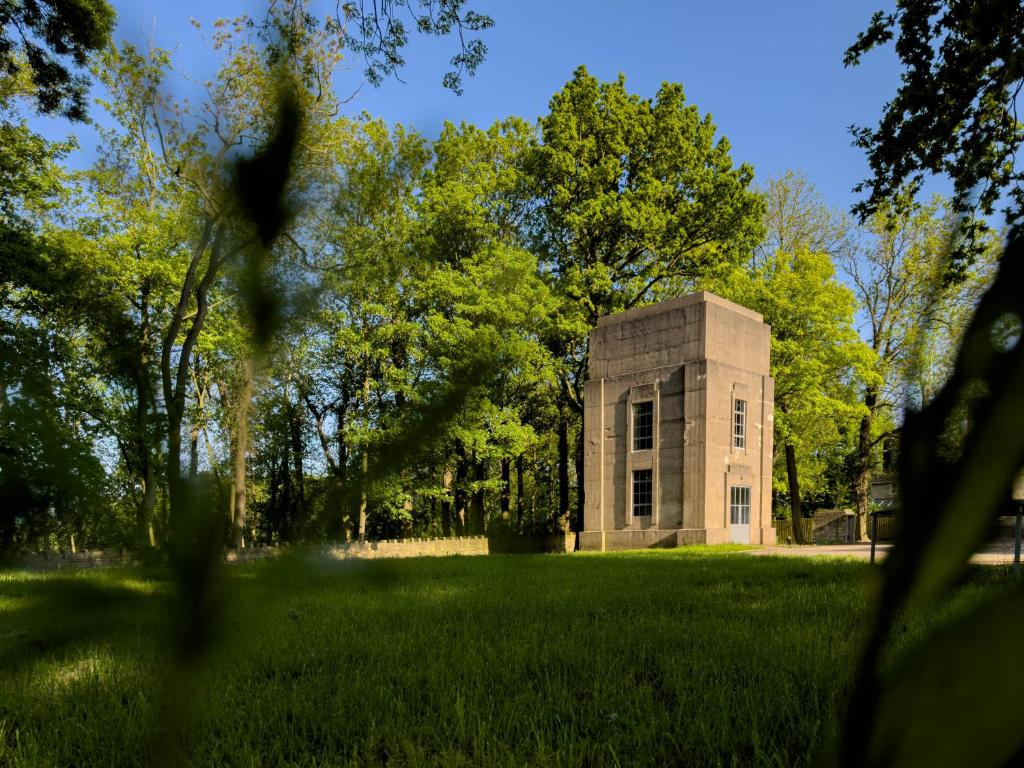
(45, 616)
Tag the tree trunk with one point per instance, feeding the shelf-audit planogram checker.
(563, 467)
(461, 472)
(365, 469)
(519, 492)
(274, 482)
(345, 513)
(193, 449)
(298, 451)
(796, 509)
(238, 511)
(286, 495)
(144, 393)
(480, 475)
(146, 534)
(862, 466)
(577, 522)
(506, 487)
(175, 376)
(446, 505)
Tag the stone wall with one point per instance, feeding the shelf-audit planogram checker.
(55, 561)
(369, 550)
(390, 548)
(834, 526)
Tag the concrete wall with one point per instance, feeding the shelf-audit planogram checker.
(692, 357)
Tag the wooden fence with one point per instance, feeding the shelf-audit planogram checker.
(784, 531)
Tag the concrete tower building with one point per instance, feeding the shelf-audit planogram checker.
(677, 427)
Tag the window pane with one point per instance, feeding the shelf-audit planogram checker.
(643, 492)
(739, 424)
(739, 505)
(643, 425)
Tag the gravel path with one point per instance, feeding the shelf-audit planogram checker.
(998, 553)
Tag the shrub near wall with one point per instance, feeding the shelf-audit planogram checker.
(505, 543)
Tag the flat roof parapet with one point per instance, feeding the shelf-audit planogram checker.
(678, 303)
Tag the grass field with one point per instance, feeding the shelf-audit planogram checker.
(692, 657)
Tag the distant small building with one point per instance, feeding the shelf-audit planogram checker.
(678, 419)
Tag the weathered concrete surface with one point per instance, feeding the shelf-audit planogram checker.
(692, 358)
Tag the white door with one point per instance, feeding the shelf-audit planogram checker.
(739, 514)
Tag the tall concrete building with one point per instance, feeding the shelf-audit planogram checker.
(677, 427)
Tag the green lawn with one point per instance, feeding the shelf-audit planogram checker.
(693, 657)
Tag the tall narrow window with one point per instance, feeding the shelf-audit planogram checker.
(643, 492)
(643, 425)
(739, 424)
(739, 505)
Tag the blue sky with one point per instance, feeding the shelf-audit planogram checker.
(770, 73)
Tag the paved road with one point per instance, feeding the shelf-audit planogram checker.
(999, 553)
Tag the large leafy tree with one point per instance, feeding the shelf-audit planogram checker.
(635, 196)
(49, 408)
(897, 274)
(486, 295)
(817, 358)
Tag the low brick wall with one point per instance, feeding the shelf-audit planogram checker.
(368, 550)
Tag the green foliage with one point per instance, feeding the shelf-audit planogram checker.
(52, 486)
(37, 37)
(379, 33)
(637, 194)
(817, 358)
(954, 112)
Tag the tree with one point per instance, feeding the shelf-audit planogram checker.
(190, 158)
(955, 111)
(37, 37)
(634, 197)
(487, 295)
(379, 34)
(797, 217)
(817, 359)
(363, 360)
(897, 274)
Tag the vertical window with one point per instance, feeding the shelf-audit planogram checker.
(739, 505)
(643, 492)
(643, 425)
(739, 424)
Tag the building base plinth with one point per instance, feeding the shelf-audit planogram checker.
(648, 538)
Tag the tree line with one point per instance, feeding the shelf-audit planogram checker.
(344, 329)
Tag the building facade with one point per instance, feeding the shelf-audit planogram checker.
(677, 427)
